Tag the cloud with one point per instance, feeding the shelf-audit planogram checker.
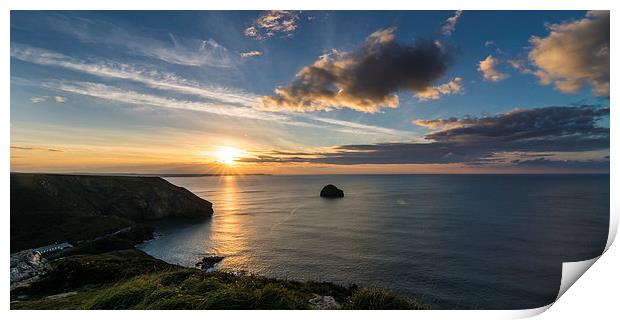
(450, 24)
(488, 68)
(192, 52)
(541, 129)
(119, 95)
(573, 55)
(359, 128)
(111, 93)
(38, 99)
(147, 76)
(475, 141)
(251, 54)
(35, 149)
(170, 82)
(543, 162)
(60, 99)
(272, 23)
(433, 93)
(366, 79)
(443, 124)
(177, 50)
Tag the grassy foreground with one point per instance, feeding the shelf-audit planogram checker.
(131, 279)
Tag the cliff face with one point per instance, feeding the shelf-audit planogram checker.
(47, 207)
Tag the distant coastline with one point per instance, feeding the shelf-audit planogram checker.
(130, 174)
(188, 175)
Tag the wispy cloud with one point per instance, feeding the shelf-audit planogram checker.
(450, 25)
(38, 99)
(147, 76)
(193, 52)
(115, 94)
(178, 50)
(20, 148)
(360, 128)
(111, 93)
(222, 99)
(272, 23)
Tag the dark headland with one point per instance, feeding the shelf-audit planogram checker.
(47, 208)
(103, 217)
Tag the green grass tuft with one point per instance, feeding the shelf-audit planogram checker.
(366, 299)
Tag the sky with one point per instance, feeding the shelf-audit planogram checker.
(310, 92)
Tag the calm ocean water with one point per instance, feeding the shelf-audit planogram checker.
(455, 241)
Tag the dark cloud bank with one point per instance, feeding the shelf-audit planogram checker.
(478, 141)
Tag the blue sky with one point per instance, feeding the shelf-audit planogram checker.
(105, 88)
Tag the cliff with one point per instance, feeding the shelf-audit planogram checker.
(47, 208)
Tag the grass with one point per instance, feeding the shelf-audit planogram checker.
(366, 299)
(130, 279)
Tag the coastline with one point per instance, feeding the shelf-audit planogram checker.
(106, 271)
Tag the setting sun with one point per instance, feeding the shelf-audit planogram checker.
(228, 155)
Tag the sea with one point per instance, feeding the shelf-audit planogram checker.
(453, 241)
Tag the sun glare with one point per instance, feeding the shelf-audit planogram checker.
(228, 155)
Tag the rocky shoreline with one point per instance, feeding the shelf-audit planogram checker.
(209, 262)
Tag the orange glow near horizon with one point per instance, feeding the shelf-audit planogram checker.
(222, 160)
(228, 155)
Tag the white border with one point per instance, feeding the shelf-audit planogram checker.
(594, 296)
(309, 5)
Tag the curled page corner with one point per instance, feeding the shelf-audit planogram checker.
(613, 229)
(528, 313)
(571, 271)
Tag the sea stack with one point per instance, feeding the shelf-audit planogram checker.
(331, 191)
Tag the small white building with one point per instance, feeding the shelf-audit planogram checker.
(56, 247)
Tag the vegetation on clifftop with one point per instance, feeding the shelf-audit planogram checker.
(130, 279)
